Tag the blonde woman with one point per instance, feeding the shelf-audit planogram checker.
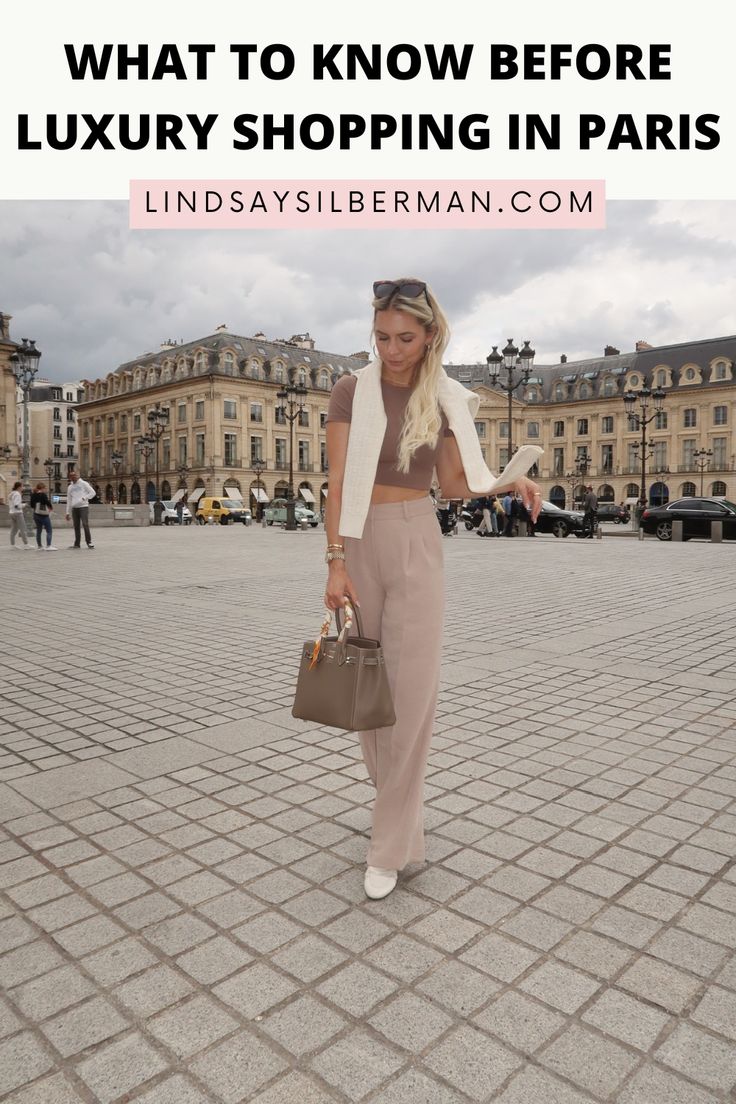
(390, 425)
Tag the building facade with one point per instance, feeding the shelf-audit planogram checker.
(223, 417)
(52, 430)
(10, 461)
(576, 407)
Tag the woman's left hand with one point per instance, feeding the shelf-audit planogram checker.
(531, 495)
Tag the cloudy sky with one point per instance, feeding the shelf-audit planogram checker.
(94, 294)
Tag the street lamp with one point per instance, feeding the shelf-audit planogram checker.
(145, 445)
(258, 465)
(49, 466)
(643, 419)
(158, 423)
(511, 361)
(702, 459)
(24, 362)
(183, 471)
(292, 397)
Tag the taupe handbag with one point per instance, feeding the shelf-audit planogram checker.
(342, 680)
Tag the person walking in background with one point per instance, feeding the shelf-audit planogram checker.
(500, 515)
(41, 506)
(485, 529)
(590, 514)
(15, 510)
(79, 493)
(180, 510)
(508, 509)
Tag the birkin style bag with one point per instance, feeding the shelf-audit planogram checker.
(342, 679)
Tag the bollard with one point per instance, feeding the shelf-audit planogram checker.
(641, 533)
(716, 532)
(598, 533)
(211, 519)
(304, 525)
(522, 528)
(677, 530)
(264, 523)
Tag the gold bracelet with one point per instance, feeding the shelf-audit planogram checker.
(340, 546)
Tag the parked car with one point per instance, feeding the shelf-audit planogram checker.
(276, 512)
(696, 514)
(170, 516)
(223, 510)
(558, 522)
(609, 511)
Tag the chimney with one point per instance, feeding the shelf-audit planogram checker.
(303, 341)
(611, 350)
(563, 358)
(259, 335)
(222, 328)
(642, 345)
(362, 355)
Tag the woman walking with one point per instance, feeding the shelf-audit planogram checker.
(41, 506)
(15, 511)
(389, 426)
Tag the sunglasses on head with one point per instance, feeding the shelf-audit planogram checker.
(409, 289)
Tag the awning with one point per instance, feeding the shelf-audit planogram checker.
(306, 494)
(233, 492)
(325, 492)
(196, 494)
(259, 494)
(181, 493)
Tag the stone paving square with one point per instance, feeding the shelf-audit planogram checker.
(182, 919)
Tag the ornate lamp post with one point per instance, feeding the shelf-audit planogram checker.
(512, 362)
(24, 362)
(258, 465)
(49, 466)
(643, 450)
(292, 405)
(702, 458)
(158, 423)
(183, 471)
(145, 445)
(116, 459)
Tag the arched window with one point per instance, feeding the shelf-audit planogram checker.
(632, 490)
(557, 497)
(166, 490)
(606, 493)
(324, 379)
(183, 371)
(150, 491)
(278, 372)
(109, 493)
(584, 392)
(302, 377)
(255, 370)
(634, 381)
(688, 490)
(660, 419)
(659, 494)
(228, 363)
(719, 370)
(122, 494)
(609, 386)
(718, 488)
(135, 494)
(532, 395)
(151, 378)
(199, 361)
(166, 374)
(560, 392)
(689, 374)
(661, 378)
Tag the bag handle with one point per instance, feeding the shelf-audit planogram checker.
(352, 610)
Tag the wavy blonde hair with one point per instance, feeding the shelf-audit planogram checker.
(422, 419)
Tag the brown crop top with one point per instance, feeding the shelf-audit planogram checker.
(419, 476)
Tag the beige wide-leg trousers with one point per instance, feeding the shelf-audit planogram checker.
(397, 569)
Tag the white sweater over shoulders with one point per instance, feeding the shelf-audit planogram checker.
(367, 430)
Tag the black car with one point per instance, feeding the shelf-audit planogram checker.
(560, 523)
(696, 514)
(609, 511)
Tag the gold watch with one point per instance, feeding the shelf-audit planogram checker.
(334, 554)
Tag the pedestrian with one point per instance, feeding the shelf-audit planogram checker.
(590, 513)
(500, 516)
(180, 510)
(78, 496)
(485, 529)
(492, 504)
(389, 425)
(508, 509)
(41, 506)
(15, 511)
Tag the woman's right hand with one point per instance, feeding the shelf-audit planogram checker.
(339, 587)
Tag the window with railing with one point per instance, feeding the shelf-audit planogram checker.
(690, 417)
(480, 429)
(199, 449)
(256, 448)
(606, 459)
(70, 433)
(532, 429)
(280, 447)
(304, 456)
(720, 415)
(558, 462)
(607, 424)
(57, 432)
(57, 414)
(323, 456)
(558, 429)
(279, 416)
(256, 412)
(229, 409)
(582, 427)
(303, 418)
(199, 410)
(659, 459)
(182, 450)
(688, 454)
(503, 429)
(181, 412)
(720, 454)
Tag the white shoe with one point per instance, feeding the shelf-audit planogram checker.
(39, 548)
(379, 883)
(51, 548)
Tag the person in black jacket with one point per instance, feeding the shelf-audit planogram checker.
(41, 506)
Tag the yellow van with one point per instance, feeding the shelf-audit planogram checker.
(223, 510)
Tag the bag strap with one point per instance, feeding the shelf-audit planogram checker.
(351, 614)
(343, 631)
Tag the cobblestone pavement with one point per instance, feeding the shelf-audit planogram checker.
(181, 908)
